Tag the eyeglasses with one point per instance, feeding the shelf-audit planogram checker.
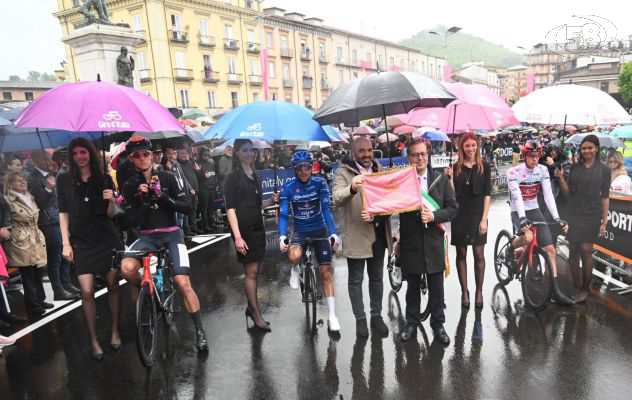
(141, 154)
(418, 155)
(303, 167)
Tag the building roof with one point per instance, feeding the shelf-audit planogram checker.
(29, 84)
(517, 67)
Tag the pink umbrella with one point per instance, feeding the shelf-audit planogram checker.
(365, 130)
(402, 129)
(476, 107)
(97, 106)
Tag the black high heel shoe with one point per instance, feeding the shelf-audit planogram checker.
(265, 328)
(249, 314)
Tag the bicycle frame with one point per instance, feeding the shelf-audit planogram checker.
(529, 250)
(147, 273)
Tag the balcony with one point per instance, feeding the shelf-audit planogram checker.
(142, 34)
(324, 84)
(178, 37)
(206, 41)
(323, 59)
(234, 79)
(306, 54)
(183, 74)
(255, 80)
(210, 76)
(253, 47)
(145, 75)
(231, 44)
(308, 82)
(288, 83)
(341, 60)
(287, 53)
(214, 110)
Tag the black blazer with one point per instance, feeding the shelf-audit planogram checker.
(46, 201)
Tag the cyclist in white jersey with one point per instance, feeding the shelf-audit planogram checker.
(525, 182)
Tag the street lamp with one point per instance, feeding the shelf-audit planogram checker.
(445, 35)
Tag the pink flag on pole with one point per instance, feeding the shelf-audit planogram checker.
(391, 192)
(366, 64)
(265, 73)
(396, 68)
(530, 82)
(447, 73)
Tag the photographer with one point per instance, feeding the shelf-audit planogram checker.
(554, 159)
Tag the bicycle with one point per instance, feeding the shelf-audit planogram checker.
(157, 294)
(535, 273)
(307, 281)
(396, 280)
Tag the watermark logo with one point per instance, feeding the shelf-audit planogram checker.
(113, 120)
(582, 33)
(253, 130)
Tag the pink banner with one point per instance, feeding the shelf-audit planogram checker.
(391, 192)
(530, 82)
(396, 68)
(366, 64)
(447, 73)
(265, 73)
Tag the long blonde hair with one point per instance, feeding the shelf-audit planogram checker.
(478, 160)
(619, 158)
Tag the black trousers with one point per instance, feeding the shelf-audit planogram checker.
(375, 270)
(206, 198)
(34, 294)
(435, 298)
(191, 219)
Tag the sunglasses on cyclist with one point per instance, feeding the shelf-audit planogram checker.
(303, 167)
(141, 154)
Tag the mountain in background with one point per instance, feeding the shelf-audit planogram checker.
(462, 48)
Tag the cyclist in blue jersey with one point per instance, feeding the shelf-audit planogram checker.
(306, 198)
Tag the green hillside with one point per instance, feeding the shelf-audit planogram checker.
(462, 48)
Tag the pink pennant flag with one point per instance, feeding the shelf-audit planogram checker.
(530, 82)
(391, 192)
(265, 73)
(447, 73)
(396, 68)
(366, 64)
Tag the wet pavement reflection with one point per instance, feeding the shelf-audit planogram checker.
(503, 351)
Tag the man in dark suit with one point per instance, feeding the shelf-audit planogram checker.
(41, 184)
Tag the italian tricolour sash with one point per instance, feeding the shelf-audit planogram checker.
(429, 203)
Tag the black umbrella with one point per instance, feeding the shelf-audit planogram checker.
(379, 95)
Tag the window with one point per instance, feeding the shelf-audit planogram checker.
(603, 86)
(341, 78)
(212, 101)
(142, 63)
(413, 66)
(184, 98)
(339, 54)
(138, 23)
(305, 70)
(284, 42)
(286, 71)
(234, 99)
(368, 57)
(255, 97)
(392, 62)
(7, 96)
(181, 65)
(204, 31)
(76, 3)
(249, 4)
(228, 31)
(423, 67)
(232, 65)
(254, 67)
(29, 95)
(430, 69)
(381, 61)
(308, 101)
(271, 70)
(175, 23)
(322, 50)
(288, 97)
(354, 56)
(251, 36)
(206, 59)
(269, 40)
(274, 96)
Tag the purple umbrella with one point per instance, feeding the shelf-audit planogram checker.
(97, 106)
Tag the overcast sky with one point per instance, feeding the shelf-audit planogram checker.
(29, 34)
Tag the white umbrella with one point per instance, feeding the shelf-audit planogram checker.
(365, 130)
(391, 137)
(256, 143)
(570, 104)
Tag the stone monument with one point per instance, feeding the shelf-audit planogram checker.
(97, 46)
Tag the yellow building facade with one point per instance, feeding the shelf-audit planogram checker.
(196, 53)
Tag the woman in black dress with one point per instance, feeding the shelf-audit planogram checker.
(472, 184)
(587, 189)
(242, 199)
(86, 206)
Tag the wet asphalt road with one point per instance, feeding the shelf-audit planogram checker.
(501, 352)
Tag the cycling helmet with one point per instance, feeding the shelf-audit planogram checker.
(531, 146)
(137, 143)
(302, 157)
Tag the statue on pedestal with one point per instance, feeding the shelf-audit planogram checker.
(101, 9)
(124, 67)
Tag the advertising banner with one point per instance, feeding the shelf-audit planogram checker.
(618, 237)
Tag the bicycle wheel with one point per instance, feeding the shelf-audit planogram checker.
(394, 273)
(425, 299)
(311, 287)
(502, 265)
(537, 281)
(170, 294)
(146, 326)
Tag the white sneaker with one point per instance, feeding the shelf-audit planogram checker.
(294, 277)
(5, 341)
(334, 325)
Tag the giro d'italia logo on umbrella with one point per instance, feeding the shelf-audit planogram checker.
(113, 119)
(253, 130)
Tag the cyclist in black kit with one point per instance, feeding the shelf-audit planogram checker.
(152, 199)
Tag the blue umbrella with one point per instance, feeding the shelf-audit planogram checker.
(20, 139)
(4, 122)
(622, 132)
(268, 120)
(12, 113)
(436, 136)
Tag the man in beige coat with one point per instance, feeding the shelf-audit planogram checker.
(364, 238)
